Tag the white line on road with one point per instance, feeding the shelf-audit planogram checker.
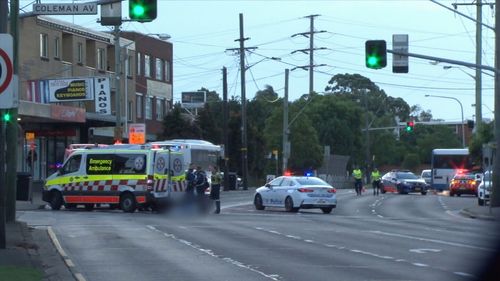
(56, 243)
(209, 252)
(431, 240)
(464, 274)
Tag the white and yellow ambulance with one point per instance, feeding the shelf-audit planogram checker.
(122, 176)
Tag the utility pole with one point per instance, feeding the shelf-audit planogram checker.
(244, 145)
(118, 128)
(479, 34)
(3, 241)
(12, 126)
(285, 125)
(367, 137)
(495, 196)
(310, 51)
(224, 127)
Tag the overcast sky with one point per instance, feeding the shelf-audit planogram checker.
(202, 31)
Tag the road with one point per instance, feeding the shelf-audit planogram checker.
(389, 237)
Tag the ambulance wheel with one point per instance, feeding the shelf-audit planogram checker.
(56, 200)
(69, 205)
(89, 207)
(127, 203)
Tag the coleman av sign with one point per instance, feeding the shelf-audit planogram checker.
(65, 9)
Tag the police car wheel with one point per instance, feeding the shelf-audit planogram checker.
(258, 202)
(326, 210)
(289, 205)
(56, 200)
(127, 203)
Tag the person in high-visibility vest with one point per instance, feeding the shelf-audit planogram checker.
(358, 177)
(376, 181)
(216, 180)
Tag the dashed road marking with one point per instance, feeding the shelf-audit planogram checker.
(274, 277)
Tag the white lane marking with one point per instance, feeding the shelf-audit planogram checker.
(423, 251)
(209, 252)
(56, 243)
(463, 274)
(431, 240)
(69, 263)
(420, 264)
(365, 252)
(62, 253)
(79, 277)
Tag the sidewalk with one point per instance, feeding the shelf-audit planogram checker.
(30, 254)
(482, 212)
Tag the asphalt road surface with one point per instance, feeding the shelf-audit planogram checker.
(388, 237)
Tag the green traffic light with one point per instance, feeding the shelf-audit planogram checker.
(373, 61)
(409, 129)
(138, 11)
(6, 117)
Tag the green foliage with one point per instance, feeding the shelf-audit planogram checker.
(411, 161)
(484, 134)
(180, 125)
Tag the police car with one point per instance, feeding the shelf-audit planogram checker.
(294, 193)
(116, 175)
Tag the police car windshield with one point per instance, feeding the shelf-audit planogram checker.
(406, 176)
(311, 181)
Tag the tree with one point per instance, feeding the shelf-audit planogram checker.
(484, 134)
(180, 125)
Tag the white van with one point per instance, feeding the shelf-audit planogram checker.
(121, 176)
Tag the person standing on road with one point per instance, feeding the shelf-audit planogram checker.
(358, 176)
(215, 189)
(376, 181)
(190, 179)
(201, 183)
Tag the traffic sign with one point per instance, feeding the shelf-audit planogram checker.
(6, 72)
(400, 44)
(65, 9)
(137, 133)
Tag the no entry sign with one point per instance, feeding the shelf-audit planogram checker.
(6, 72)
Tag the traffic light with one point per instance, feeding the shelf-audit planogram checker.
(409, 126)
(142, 10)
(376, 54)
(6, 116)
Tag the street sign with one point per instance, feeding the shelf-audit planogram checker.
(137, 133)
(65, 9)
(400, 44)
(7, 80)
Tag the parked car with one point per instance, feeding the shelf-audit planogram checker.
(294, 193)
(484, 188)
(403, 182)
(427, 176)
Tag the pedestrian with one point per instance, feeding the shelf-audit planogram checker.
(201, 184)
(376, 181)
(358, 176)
(216, 180)
(190, 180)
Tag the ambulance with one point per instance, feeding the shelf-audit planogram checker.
(122, 176)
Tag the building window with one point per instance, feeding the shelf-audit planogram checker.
(159, 69)
(44, 45)
(167, 71)
(57, 48)
(100, 59)
(160, 109)
(138, 104)
(149, 108)
(138, 64)
(147, 66)
(128, 66)
(79, 53)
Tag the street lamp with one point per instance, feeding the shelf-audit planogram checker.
(461, 109)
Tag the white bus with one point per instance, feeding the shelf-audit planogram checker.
(199, 152)
(445, 163)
